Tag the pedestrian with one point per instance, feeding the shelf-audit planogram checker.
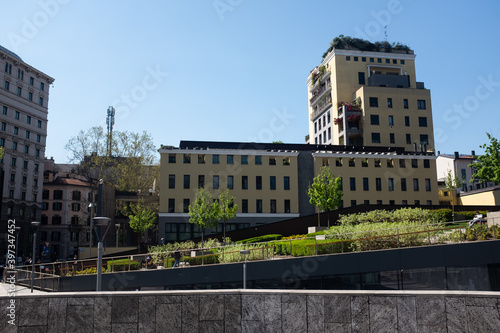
(177, 258)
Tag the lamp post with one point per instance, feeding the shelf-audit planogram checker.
(100, 221)
(34, 226)
(91, 206)
(245, 253)
(117, 225)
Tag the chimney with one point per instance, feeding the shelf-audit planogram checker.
(473, 153)
(456, 155)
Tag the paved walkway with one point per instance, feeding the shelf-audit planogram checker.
(20, 290)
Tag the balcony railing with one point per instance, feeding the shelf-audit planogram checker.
(321, 109)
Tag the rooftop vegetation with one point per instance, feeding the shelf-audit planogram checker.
(350, 43)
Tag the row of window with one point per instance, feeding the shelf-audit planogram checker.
(390, 202)
(24, 180)
(377, 163)
(20, 75)
(424, 138)
(375, 120)
(15, 147)
(172, 158)
(390, 184)
(421, 104)
(75, 206)
(17, 116)
(379, 60)
(229, 182)
(56, 220)
(244, 206)
(13, 162)
(16, 131)
(20, 93)
(58, 195)
(23, 195)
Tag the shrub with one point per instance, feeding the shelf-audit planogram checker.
(442, 215)
(259, 239)
(122, 265)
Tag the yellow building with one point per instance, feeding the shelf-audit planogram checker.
(269, 181)
(369, 98)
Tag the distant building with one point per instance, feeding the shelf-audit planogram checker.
(369, 98)
(24, 97)
(269, 181)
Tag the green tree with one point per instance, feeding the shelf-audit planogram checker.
(227, 208)
(203, 211)
(142, 216)
(487, 166)
(452, 183)
(325, 192)
(1, 152)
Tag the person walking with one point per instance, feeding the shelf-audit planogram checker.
(177, 258)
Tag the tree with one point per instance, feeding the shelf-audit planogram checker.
(142, 216)
(227, 209)
(203, 211)
(326, 192)
(452, 183)
(487, 166)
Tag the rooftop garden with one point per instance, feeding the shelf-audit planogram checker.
(350, 43)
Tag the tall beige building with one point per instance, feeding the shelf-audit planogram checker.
(369, 98)
(24, 97)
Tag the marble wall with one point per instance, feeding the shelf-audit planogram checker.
(256, 311)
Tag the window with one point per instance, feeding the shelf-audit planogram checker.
(230, 182)
(272, 160)
(201, 159)
(258, 182)
(364, 163)
(58, 194)
(30, 95)
(374, 119)
(387, 61)
(353, 203)
(187, 181)
(75, 206)
(407, 121)
(201, 181)
(424, 139)
(215, 159)
(230, 159)
(20, 74)
(390, 184)
(378, 184)
(389, 103)
(414, 163)
(421, 104)
(39, 124)
(427, 164)
(391, 121)
(187, 158)
(215, 182)
(415, 184)
(28, 119)
(40, 101)
(402, 62)
(408, 139)
(55, 236)
(286, 182)
(171, 205)
(37, 152)
(171, 181)
(19, 91)
(352, 162)
(258, 160)
(422, 121)
(4, 126)
(372, 59)
(338, 162)
(244, 182)
(329, 133)
(42, 86)
(287, 206)
(4, 110)
(12, 177)
(286, 160)
(14, 145)
(76, 195)
(38, 138)
(74, 219)
(361, 78)
(8, 68)
(36, 166)
(427, 184)
(405, 103)
(6, 85)
(25, 180)
(392, 138)
(374, 102)
(363, 59)
(348, 58)
(185, 206)
(244, 205)
(355, 58)
(13, 161)
(375, 137)
(366, 186)
(57, 206)
(272, 182)
(244, 159)
(16, 115)
(272, 205)
(25, 164)
(258, 205)
(32, 80)
(352, 183)
(171, 158)
(28, 134)
(2, 143)
(377, 163)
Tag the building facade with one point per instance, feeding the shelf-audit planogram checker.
(369, 98)
(269, 181)
(24, 97)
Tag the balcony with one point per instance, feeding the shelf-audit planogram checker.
(320, 92)
(319, 109)
(392, 81)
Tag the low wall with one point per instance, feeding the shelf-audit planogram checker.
(493, 218)
(254, 311)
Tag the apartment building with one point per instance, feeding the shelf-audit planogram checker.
(369, 98)
(24, 97)
(269, 181)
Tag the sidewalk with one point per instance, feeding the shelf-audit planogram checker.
(20, 290)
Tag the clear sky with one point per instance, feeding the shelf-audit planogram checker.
(235, 70)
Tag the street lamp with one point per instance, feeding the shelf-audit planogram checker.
(91, 206)
(34, 226)
(117, 225)
(245, 253)
(100, 221)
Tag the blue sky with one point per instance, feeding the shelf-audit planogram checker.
(235, 70)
